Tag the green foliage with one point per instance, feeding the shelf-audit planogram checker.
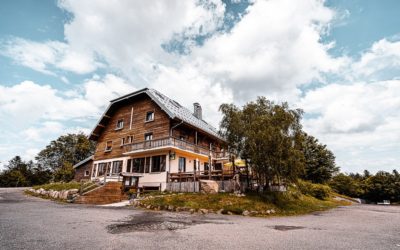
(64, 152)
(374, 188)
(344, 184)
(55, 162)
(267, 134)
(320, 162)
(318, 191)
(19, 173)
(65, 173)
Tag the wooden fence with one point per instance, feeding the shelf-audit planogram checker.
(194, 187)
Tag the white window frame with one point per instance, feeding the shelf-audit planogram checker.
(151, 117)
(121, 123)
(106, 148)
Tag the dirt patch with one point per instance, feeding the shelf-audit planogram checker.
(150, 222)
(286, 228)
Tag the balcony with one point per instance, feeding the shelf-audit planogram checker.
(173, 143)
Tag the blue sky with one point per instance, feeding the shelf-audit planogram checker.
(62, 61)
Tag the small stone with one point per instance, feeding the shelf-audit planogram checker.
(148, 207)
(272, 211)
(171, 208)
(220, 211)
(252, 213)
(192, 211)
(246, 213)
(230, 213)
(203, 211)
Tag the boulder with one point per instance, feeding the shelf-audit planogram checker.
(203, 211)
(73, 191)
(246, 213)
(208, 186)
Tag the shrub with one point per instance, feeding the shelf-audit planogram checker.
(318, 191)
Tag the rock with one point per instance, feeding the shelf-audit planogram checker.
(208, 186)
(192, 211)
(272, 211)
(171, 208)
(267, 211)
(203, 211)
(230, 213)
(246, 213)
(148, 207)
(253, 213)
(73, 191)
(221, 211)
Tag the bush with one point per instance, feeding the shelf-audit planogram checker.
(318, 191)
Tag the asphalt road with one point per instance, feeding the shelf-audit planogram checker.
(32, 223)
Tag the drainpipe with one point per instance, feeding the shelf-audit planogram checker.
(170, 131)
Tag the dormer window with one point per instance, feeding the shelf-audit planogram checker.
(149, 116)
(120, 124)
(108, 146)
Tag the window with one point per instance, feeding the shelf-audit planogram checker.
(148, 136)
(120, 124)
(108, 146)
(129, 139)
(102, 168)
(182, 164)
(86, 173)
(218, 166)
(147, 165)
(138, 165)
(206, 166)
(116, 167)
(94, 170)
(128, 166)
(122, 141)
(149, 116)
(158, 163)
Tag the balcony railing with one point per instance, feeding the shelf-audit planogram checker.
(172, 142)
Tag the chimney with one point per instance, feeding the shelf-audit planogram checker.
(197, 110)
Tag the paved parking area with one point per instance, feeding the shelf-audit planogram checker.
(33, 223)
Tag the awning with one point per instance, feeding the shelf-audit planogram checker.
(238, 163)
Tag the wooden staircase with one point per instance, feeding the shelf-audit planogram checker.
(109, 193)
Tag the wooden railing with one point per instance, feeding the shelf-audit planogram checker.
(195, 175)
(173, 142)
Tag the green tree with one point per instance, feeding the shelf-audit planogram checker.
(64, 152)
(345, 184)
(267, 134)
(320, 163)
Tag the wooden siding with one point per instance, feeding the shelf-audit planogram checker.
(80, 171)
(159, 127)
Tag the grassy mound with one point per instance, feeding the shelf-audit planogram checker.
(292, 202)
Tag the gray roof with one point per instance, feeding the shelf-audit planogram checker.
(172, 108)
(83, 161)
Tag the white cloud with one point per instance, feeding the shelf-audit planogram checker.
(359, 122)
(382, 60)
(43, 56)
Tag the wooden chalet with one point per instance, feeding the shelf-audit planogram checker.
(146, 139)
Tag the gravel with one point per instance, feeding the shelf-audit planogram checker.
(32, 223)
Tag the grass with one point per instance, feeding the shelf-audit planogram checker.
(58, 186)
(283, 203)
